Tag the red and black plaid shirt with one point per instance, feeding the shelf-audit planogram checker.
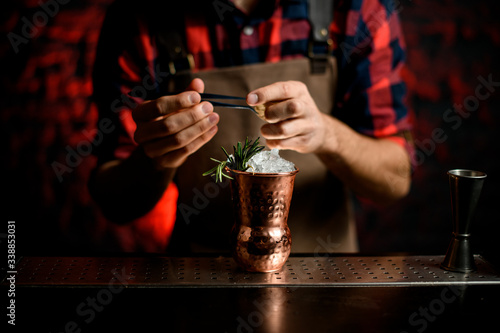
(368, 45)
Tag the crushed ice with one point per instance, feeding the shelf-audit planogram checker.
(269, 161)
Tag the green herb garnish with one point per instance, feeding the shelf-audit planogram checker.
(237, 161)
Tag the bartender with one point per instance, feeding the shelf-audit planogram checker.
(328, 73)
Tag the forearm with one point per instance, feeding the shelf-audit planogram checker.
(128, 189)
(376, 169)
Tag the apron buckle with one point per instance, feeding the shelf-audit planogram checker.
(181, 64)
(319, 60)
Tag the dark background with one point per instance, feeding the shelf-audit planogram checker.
(45, 112)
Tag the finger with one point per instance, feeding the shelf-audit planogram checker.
(284, 130)
(176, 157)
(162, 106)
(182, 138)
(276, 92)
(172, 123)
(197, 85)
(291, 108)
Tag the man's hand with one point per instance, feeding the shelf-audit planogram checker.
(294, 121)
(377, 169)
(171, 128)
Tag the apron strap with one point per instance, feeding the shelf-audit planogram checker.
(171, 39)
(320, 44)
(172, 45)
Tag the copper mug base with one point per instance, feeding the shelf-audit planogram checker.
(261, 240)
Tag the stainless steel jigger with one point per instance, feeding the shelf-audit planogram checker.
(465, 189)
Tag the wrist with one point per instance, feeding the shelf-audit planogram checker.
(330, 144)
(341, 147)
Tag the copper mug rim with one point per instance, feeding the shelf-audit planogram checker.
(264, 174)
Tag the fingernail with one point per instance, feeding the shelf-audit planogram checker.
(213, 130)
(213, 118)
(193, 98)
(252, 99)
(206, 108)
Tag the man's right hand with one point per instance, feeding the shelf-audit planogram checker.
(171, 128)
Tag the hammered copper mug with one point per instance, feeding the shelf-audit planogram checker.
(260, 239)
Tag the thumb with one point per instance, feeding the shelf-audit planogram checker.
(197, 85)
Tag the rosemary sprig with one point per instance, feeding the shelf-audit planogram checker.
(237, 161)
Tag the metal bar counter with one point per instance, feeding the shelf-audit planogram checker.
(211, 294)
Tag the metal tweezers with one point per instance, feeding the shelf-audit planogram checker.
(205, 97)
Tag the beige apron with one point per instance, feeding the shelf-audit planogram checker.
(321, 218)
